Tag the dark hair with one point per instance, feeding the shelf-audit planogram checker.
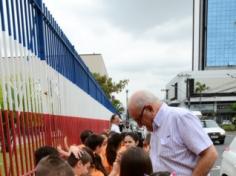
(43, 152)
(161, 174)
(133, 135)
(84, 158)
(140, 143)
(53, 166)
(105, 136)
(93, 141)
(136, 137)
(90, 152)
(84, 134)
(113, 117)
(113, 144)
(96, 161)
(136, 162)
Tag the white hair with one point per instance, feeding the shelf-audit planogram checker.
(141, 98)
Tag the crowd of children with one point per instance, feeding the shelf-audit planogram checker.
(105, 154)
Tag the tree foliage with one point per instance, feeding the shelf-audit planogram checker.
(109, 87)
(233, 106)
(118, 105)
(201, 87)
(1, 97)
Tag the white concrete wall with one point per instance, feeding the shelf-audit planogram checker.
(75, 102)
(47, 91)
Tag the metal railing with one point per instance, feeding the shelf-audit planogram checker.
(41, 78)
(21, 133)
(29, 35)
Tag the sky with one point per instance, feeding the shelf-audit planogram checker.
(146, 41)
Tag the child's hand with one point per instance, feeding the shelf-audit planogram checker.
(59, 148)
(77, 151)
(120, 153)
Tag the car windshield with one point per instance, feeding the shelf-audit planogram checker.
(209, 124)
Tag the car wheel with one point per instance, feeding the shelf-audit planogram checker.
(222, 141)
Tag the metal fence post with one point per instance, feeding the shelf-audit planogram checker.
(40, 33)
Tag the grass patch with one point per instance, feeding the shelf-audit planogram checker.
(231, 127)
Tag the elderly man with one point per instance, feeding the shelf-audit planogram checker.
(178, 142)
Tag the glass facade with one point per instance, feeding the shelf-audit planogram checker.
(221, 33)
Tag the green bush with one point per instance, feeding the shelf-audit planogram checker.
(231, 127)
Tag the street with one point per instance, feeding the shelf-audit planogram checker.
(220, 148)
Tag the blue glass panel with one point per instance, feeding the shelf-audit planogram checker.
(221, 33)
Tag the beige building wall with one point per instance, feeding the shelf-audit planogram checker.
(95, 63)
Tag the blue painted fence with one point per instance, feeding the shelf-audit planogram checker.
(30, 23)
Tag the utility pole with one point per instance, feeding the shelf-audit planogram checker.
(188, 92)
(127, 112)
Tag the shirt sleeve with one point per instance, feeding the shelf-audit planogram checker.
(192, 133)
(115, 128)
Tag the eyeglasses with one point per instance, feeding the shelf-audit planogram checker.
(140, 117)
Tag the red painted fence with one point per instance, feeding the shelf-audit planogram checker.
(22, 133)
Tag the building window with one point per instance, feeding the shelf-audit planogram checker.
(221, 33)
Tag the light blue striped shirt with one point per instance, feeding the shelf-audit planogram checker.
(176, 141)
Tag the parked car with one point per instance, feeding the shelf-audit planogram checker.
(226, 122)
(197, 113)
(214, 131)
(228, 163)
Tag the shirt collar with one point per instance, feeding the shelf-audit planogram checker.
(158, 119)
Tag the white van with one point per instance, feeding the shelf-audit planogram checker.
(197, 113)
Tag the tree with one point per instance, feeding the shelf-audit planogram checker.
(200, 88)
(233, 106)
(118, 105)
(109, 87)
(1, 97)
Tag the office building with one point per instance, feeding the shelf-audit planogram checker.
(213, 62)
(95, 63)
(214, 34)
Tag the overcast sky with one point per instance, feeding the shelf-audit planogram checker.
(145, 41)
